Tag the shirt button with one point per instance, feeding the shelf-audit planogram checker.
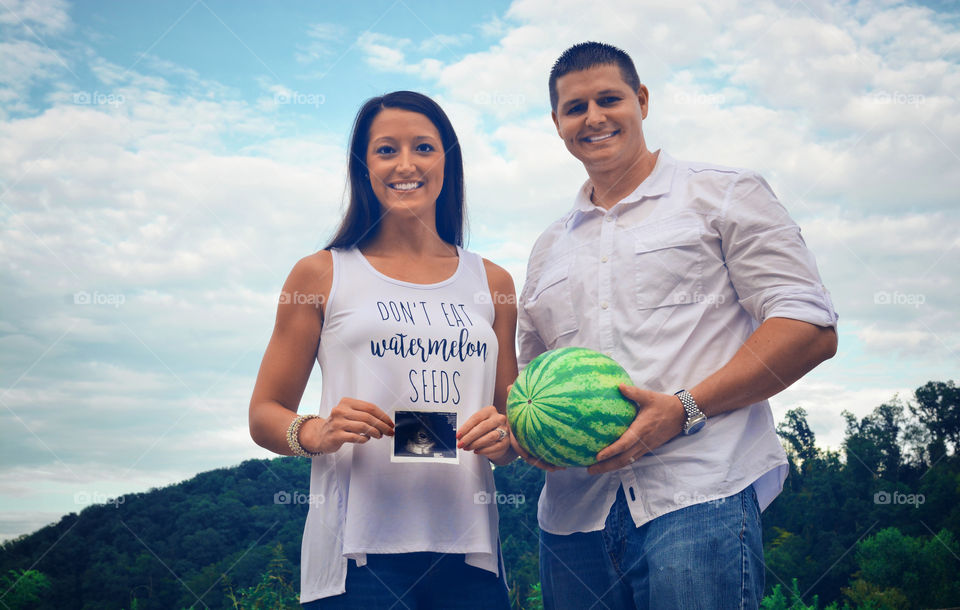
(604, 305)
(603, 260)
(610, 218)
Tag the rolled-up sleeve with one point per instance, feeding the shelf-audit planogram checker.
(773, 272)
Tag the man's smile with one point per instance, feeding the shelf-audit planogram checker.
(600, 137)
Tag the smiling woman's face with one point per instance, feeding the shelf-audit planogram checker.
(405, 160)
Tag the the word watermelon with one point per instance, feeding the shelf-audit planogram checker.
(566, 406)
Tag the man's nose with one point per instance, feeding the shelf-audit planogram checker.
(595, 114)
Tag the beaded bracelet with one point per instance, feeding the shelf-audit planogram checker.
(293, 436)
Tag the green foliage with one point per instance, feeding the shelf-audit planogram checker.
(535, 599)
(171, 547)
(821, 528)
(519, 532)
(898, 571)
(23, 588)
(273, 591)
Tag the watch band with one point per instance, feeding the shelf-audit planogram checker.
(695, 417)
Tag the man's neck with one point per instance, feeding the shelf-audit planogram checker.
(610, 186)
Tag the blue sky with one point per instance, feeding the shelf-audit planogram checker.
(163, 166)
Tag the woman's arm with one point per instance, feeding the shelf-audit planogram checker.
(479, 432)
(286, 368)
(290, 354)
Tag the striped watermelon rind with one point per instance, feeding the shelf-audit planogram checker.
(566, 406)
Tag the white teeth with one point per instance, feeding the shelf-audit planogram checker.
(600, 138)
(406, 186)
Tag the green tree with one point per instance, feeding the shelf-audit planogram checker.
(899, 571)
(273, 591)
(23, 588)
(937, 407)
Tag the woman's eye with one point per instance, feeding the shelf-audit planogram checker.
(425, 147)
(384, 150)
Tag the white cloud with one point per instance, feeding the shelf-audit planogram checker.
(36, 17)
(325, 41)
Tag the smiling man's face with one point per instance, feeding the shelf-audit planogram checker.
(600, 118)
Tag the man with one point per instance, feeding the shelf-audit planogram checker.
(695, 279)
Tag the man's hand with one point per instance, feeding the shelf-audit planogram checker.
(660, 417)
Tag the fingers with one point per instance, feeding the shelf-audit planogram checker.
(383, 423)
(485, 429)
(361, 418)
(637, 395)
(627, 440)
(614, 463)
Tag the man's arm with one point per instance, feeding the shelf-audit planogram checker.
(777, 354)
(776, 280)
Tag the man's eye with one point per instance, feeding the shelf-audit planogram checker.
(576, 109)
(607, 101)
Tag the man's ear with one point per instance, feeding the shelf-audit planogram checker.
(556, 123)
(643, 96)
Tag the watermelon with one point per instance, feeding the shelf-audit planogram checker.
(566, 406)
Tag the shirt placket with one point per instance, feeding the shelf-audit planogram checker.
(605, 299)
(608, 228)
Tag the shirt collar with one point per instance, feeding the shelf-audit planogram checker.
(657, 183)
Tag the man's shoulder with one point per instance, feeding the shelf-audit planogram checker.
(553, 232)
(715, 181)
(707, 169)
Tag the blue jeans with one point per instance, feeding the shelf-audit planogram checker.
(707, 556)
(414, 581)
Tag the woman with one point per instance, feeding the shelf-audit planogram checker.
(415, 340)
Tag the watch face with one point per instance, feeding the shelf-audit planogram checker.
(696, 425)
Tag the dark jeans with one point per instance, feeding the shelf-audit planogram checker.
(705, 556)
(422, 581)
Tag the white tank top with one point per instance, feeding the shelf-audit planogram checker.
(403, 347)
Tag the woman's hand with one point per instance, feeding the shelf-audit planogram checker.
(351, 421)
(485, 433)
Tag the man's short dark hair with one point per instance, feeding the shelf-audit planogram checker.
(585, 55)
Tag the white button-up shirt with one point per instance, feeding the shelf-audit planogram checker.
(670, 282)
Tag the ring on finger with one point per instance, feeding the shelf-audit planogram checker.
(502, 434)
(632, 459)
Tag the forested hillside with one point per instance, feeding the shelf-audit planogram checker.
(873, 525)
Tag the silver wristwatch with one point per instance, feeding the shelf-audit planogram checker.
(695, 417)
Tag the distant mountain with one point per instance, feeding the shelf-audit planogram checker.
(876, 524)
(188, 544)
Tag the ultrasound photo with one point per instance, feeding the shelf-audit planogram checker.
(425, 436)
